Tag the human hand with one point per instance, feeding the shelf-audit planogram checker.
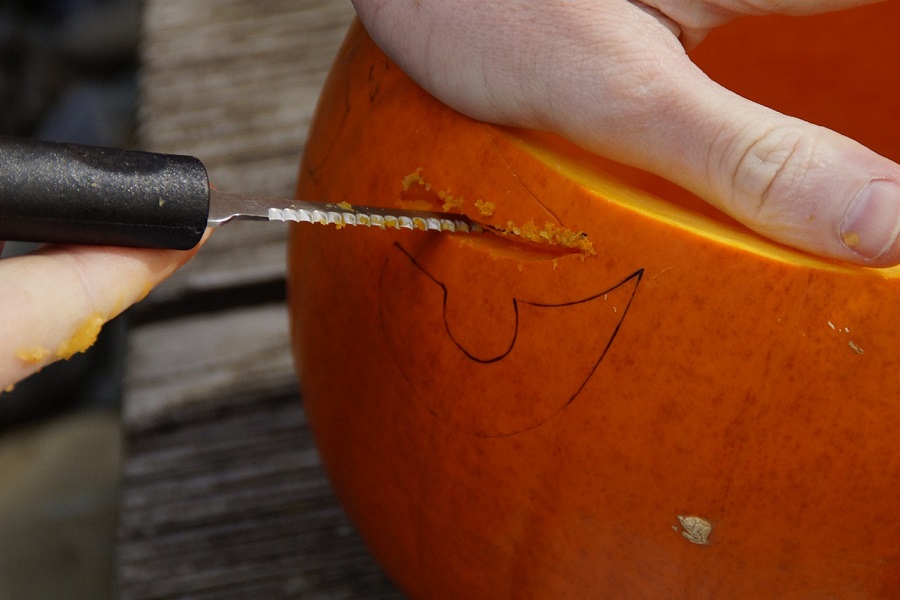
(614, 77)
(54, 301)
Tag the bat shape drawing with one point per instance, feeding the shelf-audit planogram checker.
(519, 385)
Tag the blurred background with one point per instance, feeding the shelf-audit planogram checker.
(187, 470)
(68, 72)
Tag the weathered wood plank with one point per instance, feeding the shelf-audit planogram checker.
(231, 502)
(235, 83)
(204, 357)
(223, 495)
(239, 254)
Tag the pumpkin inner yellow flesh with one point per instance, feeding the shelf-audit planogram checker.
(683, 210)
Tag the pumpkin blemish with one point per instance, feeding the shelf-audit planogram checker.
(696, 530)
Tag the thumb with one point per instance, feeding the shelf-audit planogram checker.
(647, 104)
(805, 186)
(616, 81)
(794, 182)
(791, 181)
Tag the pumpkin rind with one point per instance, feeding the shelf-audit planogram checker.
(681, 415)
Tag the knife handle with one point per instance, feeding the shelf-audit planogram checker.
(68, 193)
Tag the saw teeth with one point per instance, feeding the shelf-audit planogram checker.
(342, 219)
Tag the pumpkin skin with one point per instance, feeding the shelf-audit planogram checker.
(692, 412)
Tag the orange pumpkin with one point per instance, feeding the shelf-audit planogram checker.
(689, 412)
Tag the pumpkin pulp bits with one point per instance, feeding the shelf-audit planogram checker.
(550, 234)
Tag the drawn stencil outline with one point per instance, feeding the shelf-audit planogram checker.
(637, 276)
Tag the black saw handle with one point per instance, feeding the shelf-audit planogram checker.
(68, 193)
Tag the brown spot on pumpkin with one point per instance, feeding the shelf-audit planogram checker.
(696, 529)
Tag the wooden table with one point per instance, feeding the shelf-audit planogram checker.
(223, 495)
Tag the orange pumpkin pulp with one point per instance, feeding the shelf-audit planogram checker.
(687, 412)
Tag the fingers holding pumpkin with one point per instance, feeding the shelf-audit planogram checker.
(53, 302)
(791, 181)
(614, 78)
(797, 183)
(794, 182)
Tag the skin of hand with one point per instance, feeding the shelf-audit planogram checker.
(54, 301)
(614, 77)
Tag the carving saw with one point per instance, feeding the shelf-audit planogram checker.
(75, 194)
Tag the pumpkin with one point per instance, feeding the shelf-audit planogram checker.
(679, 409)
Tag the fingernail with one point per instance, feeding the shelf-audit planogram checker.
(872, 224)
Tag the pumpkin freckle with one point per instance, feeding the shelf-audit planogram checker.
(696, 529)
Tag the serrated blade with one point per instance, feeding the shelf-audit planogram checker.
(223, 207)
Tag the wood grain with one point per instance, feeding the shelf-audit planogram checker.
(228, 500)
(223, 494)
(235, 83)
